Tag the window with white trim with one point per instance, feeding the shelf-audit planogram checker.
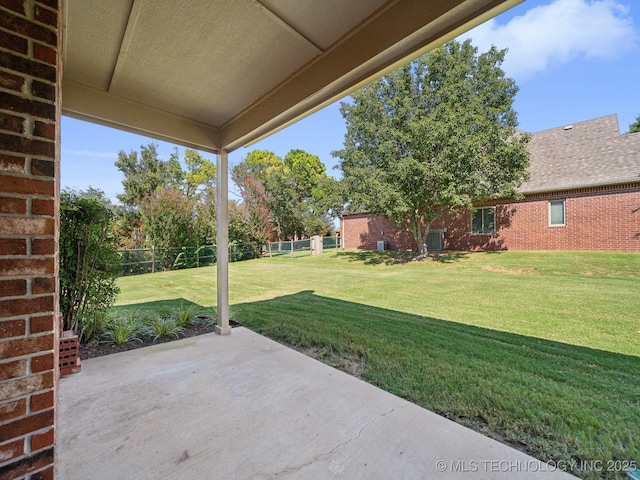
(556, 213)
(483, 221)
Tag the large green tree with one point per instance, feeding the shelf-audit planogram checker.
(635, 126)
(148, 183)
(144, 173)
(289, 187)
(168, 219)
(434, 135)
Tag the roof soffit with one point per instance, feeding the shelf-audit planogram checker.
(219, 74)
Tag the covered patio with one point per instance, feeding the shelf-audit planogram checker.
(244, 406)
(214, 75)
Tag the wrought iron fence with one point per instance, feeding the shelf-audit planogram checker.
(149, 260)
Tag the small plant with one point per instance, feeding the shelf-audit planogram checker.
(186, 316)
(92, 324)
(206, 317)
(205, 320)
(163, 326)
(123, 328)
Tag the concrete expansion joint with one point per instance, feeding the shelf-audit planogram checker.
(328, 454)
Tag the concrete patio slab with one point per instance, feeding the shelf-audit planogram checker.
(242, 406)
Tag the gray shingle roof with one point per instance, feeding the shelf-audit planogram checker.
(585, 154)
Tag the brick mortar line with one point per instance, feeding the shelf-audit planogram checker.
(30, 17)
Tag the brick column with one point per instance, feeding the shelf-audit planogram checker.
(29, 196)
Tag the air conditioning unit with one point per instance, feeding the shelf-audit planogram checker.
(382, 245)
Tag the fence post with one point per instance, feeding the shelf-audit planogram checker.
(198, 257)
(292, 248)
(153, 259)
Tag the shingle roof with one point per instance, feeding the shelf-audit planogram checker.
(585, 154)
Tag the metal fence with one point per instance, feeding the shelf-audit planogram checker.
(298, 248)
(149, 260)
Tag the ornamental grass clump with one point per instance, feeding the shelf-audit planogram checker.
(123, 328)
(187, 315)
(163, 326)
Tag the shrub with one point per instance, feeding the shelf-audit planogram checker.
(88, 259)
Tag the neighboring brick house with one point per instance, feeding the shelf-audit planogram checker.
(583, 194)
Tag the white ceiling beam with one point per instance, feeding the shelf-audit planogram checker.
(94, 105)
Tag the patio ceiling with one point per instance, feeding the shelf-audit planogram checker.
(219, 74)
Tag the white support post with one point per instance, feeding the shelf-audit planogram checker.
(222, 248)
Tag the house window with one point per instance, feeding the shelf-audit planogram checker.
(556, 212)
(483, 221)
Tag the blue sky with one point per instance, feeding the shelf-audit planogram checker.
(573, 60)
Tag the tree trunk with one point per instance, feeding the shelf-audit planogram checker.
(420, 231)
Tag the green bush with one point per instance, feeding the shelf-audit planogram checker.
(89, 261)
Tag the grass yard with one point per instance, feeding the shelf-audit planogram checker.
(540, 350)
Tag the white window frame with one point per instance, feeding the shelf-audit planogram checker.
(564, 213)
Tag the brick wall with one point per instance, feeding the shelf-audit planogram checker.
(602, 218)
(364, 231)
(29, 166)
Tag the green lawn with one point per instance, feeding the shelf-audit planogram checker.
(540, 350)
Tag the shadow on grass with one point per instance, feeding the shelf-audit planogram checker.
(160, 306)
(552, 400)
(369, 257)
(449, 257)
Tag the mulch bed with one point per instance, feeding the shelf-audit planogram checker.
(94, 348)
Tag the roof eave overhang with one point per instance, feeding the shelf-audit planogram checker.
(402, 32)
(93, 105)
(358, 64)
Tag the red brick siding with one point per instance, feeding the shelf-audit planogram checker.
(364, 231)
(29, 195)
(598, 219)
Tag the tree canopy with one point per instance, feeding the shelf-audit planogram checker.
(164, 205)
(287, 190)
(635, 126)
(434, 135)
(145, 173)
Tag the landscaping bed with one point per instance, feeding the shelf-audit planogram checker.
(123, 329)
(95, 348)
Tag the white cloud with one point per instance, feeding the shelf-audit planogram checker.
(558, 32)
(90, 154)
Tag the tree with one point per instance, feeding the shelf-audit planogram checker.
(256, 211)
(432, 136)
(168, 217)
(146, 173)
(635, 126)
(305, 171)
(88, 258)
(289, 189)
(200, 174)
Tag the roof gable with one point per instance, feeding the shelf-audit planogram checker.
(585, 154)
